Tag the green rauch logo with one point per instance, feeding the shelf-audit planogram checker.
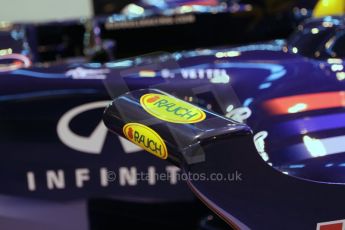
(171, 109)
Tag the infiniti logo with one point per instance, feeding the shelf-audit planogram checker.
(92, 144)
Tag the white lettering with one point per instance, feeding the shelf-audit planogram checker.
(104, 177)
(55, 180)
(151, 175)
(81, 175)
(31, 181)
(128, 176)
(172, 172)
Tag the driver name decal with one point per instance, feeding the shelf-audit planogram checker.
(171, 109)
(146, 138)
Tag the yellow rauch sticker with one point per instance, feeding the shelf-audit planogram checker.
(146, 138)
(171, 109)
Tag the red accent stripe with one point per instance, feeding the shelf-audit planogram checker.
(338, 226)
(305, 102)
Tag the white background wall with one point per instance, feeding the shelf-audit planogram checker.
(42, 10)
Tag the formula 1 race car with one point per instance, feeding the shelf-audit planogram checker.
(57, 154)
(277, 157)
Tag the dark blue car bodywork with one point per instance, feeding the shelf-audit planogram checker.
(292, 96)
(274, 83)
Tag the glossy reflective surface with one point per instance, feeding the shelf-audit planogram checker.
(320, 38)
(294, 105)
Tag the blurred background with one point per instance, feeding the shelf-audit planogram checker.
(41, 10)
